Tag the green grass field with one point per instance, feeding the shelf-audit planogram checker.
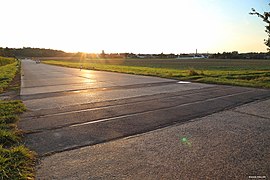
(251, 73)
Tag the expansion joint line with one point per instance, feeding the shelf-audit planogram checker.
(245, 113)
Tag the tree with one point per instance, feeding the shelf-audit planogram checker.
(266, 18)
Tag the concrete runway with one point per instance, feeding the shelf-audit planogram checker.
(101, 125)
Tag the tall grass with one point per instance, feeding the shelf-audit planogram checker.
(4, 61)
(8, 70)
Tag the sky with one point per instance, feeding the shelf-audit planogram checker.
(138, 26)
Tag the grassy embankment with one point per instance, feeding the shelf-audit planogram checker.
(16, 161)
(8, 69)
(250, 73)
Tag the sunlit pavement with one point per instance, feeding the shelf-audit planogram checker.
(92, 124)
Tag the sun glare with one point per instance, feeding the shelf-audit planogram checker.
(140, 26)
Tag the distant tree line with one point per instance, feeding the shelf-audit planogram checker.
(50, 53)
(31, 52)
(236, 55)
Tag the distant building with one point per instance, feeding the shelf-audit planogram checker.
(102, 55)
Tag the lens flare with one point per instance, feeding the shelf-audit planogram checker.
(185, 141)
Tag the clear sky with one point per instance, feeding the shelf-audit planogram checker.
(138, 26)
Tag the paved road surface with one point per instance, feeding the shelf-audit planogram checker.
(92, 124)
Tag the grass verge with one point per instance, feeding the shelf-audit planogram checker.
(6, 60)
(8, 70)
(249, 77)
(16, 161)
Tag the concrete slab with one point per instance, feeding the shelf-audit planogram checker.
(97, 96)
(63, 88)
(39, 75)
(91, 113)
(226, 145)
(261, 109)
